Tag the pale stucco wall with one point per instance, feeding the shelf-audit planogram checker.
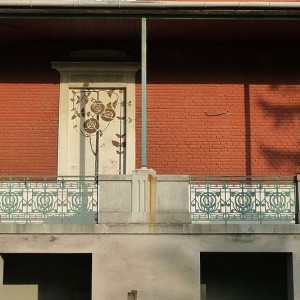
(164, 265)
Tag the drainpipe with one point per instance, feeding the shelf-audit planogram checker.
(149, 4)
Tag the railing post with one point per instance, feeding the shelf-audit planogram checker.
(143, 195)
(297, 202)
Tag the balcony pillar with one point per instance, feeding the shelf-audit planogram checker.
(143, 196)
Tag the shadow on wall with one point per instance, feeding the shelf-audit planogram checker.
(280, 113)
(276, 158)
(285, 118)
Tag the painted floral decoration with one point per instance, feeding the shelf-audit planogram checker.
(87, 105)
(93, 111)
(91, 125)
(97, 107)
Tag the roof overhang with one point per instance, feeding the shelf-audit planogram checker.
(149, 9)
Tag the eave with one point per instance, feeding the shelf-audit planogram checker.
(161, 10)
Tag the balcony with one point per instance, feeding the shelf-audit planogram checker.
(145, 197)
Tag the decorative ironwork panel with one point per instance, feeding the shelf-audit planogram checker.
(245, 199)
(48, 200)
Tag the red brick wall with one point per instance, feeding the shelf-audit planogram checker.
(228, 115)
(231, 113)
(29, 93)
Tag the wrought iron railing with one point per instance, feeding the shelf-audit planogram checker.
(41, 199)
(242, 199)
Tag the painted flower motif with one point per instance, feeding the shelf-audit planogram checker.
(97, 107)
(91, 125)
(108, 115)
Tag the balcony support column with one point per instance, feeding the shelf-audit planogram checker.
(144, 91)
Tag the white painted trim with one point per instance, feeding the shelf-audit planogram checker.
(89, 75)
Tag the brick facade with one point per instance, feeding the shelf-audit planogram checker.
(29, 92)
(224, 115)
(233, 113)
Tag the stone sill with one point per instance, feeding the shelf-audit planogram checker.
(185, 229)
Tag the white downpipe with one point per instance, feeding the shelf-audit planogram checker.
(147, 4)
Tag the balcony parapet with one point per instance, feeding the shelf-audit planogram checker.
(140, 198)
(145, 198)
(48, 199)
(234, 199)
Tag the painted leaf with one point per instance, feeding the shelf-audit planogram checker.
(73, 117)
(115, 103)
(72, 99)
(123, 144)
(110, 92)
(75, 126)
(120, 152)
(108, 105)
(82, 112)
(129, 103)
(129, 120)
(120, 135)
(115, 143)
(121, 118)
(74, 92)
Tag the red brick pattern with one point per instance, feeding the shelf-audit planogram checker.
(29, 127)
(203, 119)
(225, 128)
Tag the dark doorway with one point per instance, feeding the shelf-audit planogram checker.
(246, 276)
(58, 276)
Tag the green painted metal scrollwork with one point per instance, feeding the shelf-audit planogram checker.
(10, 202)
(44, 202)
(49, 200)
(242, 199)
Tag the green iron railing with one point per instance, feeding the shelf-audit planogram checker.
(42, 199)
(242, 199)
